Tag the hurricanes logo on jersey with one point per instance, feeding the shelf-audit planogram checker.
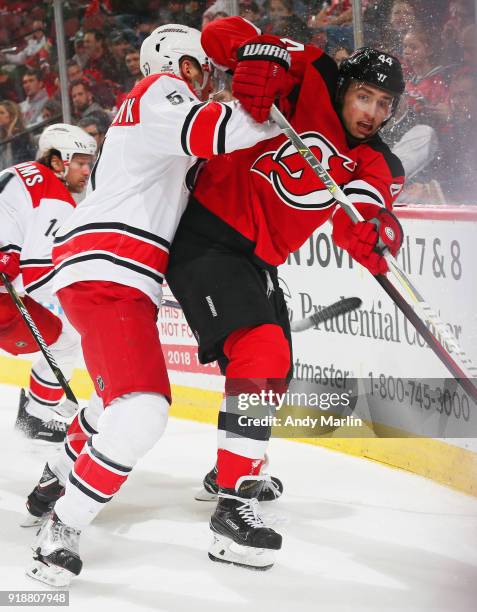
(293, 180)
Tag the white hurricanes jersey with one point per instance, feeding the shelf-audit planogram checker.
(122, 230)
(33, 204)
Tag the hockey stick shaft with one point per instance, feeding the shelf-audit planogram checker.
(171, 304)
(458, 364)
(338, 308)
(39, 339)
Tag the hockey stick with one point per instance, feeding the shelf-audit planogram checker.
(170, 304)
(333, 310)
(340, 307)
(442, 341)
(70, 404)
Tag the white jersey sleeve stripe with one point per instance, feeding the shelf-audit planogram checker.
(362, 191)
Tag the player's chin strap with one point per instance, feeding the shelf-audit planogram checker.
(396, 283)
(199, 88)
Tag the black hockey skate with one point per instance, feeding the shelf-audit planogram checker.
(56, 557)
(240, 535)
(42, 499)
(267, 491)
(34, 428)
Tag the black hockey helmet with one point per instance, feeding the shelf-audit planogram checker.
(375, 67)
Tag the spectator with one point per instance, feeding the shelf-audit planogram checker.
(456, 169)
(459, 17)
(426, 87)
(104, 92)
(131, 60)
(173, 13)
(282, 21)
(11, 123)
(402, 18)
(118, 45)
(82, 100)
(215, 10)
(52, 110)
(80, 55)
(248, 9)
(99, 64)
(335, 20)
(74, 71)
(145, 26)
(419, 125)
(36, 97)
(193, 10)
(8, 87)
(339, 12)
(36, 50)
(375, 21)
(95, 127)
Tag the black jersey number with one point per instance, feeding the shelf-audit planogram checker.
(51, 227)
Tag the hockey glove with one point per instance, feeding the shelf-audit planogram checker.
(367, 240)
(9, 265)
(260, 76)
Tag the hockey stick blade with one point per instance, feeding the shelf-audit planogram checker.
(333, 310)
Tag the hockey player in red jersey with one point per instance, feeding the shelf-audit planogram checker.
(110, 259)
(222, 266)
(35, 199)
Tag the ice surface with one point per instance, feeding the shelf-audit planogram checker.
(358, 536)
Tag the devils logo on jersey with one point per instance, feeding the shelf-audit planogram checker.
(292, 178)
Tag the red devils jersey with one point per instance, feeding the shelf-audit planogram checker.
(273, 198)
(33, 204)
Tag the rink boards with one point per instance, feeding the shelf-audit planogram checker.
(375, 343)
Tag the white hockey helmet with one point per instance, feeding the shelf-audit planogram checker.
(163, 49)
(67, 139)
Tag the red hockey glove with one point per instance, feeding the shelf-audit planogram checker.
(365, 241)
(9, 265)
(15, 336)
(260, 76)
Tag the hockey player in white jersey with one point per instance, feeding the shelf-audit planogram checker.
(111, 256)
(35, 198)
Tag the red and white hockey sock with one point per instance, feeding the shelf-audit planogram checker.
(92, 482)
(258, 360)
(230, 467)
(43, 392)
(80, 430)
(127, 429)
(77, 435)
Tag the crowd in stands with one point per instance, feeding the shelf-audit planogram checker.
(434, 131)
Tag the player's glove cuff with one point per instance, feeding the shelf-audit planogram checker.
(389, 231)
(265, 51)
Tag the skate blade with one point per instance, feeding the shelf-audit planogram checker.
(29, 520)
(225, 550)
(49, 574)
(204, 495)
(66, 410)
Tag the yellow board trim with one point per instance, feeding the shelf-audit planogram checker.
(443, 463)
